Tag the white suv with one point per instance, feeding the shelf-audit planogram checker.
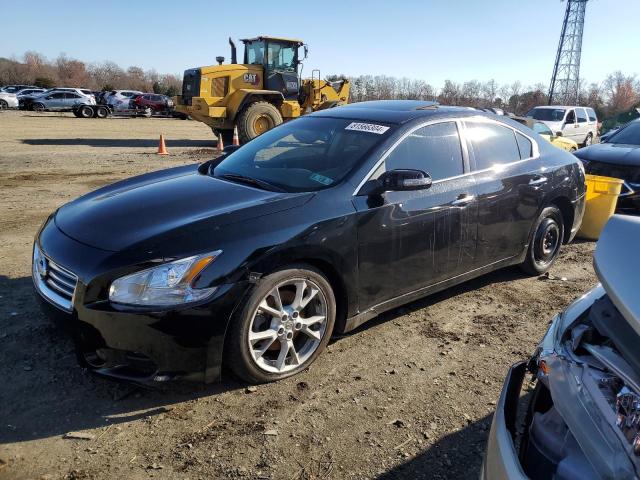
(580, 124)
(121, 99)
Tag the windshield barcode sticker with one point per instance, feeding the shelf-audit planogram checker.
(367, 127)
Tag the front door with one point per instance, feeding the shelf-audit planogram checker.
(570, 128)
(281, 69)
(509, 182)
(410, 240)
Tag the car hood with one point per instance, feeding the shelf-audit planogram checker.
(618, 154)
(145, 210)
(617, 263)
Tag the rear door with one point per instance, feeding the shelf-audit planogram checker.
(509, 179)
(582, 121)
(71, 99)
(409, 240)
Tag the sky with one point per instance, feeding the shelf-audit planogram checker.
(431, 40)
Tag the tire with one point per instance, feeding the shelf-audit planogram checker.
(38, 107)
(85, 111)
(76, 112)
(545, 242)
(102, 112)
(4, 104)
(588, 141)
(269, 357)
(257, 118)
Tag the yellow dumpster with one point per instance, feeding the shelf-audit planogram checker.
(602, 197)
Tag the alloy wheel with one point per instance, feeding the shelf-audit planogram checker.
(288, 325)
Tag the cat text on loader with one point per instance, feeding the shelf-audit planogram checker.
(258, 94)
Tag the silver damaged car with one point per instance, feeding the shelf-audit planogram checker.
(582, 420)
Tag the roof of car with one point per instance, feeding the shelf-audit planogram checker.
(396, 111)
(267, 37)
(561, 106)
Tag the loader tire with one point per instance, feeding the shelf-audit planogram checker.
(257, 118)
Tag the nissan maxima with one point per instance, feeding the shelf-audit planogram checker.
(254, 259)
(582, 420)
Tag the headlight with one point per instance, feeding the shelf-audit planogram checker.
(164, 285)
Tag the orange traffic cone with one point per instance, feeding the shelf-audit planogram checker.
(236, 139)
(162, 149)
(220, 147)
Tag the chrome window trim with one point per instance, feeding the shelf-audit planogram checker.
(535, 149)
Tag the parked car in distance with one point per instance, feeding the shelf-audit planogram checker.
(15, 88)
(8, 100)
(545, 132)
(154, 101)
(582, 420)
(29, 91)
(60, 100)
(579, 124)
(618, 157)
(121, 99)
(256, 257)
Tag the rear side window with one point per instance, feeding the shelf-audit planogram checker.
(491, 144)
(434, 149)
(581, 115)
(591, 113)
(524, 145)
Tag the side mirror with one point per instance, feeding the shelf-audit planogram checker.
(400, 180)
(230, 149)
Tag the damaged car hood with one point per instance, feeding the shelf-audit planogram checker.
(617, 262)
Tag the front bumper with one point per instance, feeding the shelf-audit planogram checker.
(142, 346)
(501, 459)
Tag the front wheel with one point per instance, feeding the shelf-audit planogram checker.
(545, 242)
(38, 107)
(256, 119)
(283, 327)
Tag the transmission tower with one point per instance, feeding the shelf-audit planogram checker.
(565, 80)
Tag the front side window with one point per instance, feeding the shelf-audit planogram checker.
(571, 117)
(255, 53)
(581, 115)
(491, 144)
(282, 57)
(434, 149)
(303, 155)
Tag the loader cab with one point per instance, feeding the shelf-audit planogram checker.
(279, 58)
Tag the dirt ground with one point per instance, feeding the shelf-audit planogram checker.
(408, 395)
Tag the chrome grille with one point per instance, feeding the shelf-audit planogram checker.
(53, 281)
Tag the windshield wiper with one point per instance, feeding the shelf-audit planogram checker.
(254, 182)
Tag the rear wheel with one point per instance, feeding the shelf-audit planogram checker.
(283, 327)
(256, 119)
(86, 112)
(102, 112)
(545, 242)
(589, 140)
(3, 104)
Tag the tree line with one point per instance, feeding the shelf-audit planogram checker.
(617, 93)
(35, 69)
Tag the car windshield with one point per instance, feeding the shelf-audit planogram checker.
(547, 114)
(541, 128)
(629, 135)
(304, 155)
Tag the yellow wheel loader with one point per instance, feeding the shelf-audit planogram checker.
(258, 94)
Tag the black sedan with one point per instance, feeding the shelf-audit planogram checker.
(256, 258)
(618, 157)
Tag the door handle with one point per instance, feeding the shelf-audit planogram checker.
(462, 200)
(538, 180)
